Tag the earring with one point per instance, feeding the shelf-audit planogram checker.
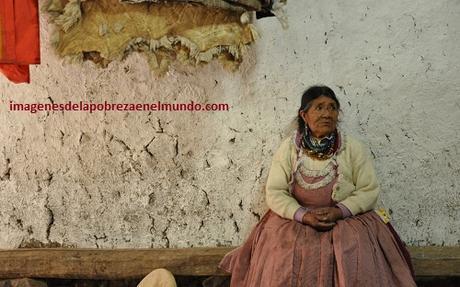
(307, 129)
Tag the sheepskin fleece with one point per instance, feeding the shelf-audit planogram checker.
(107, 30)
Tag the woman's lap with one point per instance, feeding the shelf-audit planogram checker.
(358, 251)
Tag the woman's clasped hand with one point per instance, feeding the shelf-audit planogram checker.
(322, 219)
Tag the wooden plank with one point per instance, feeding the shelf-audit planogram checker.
(436, 260)
(107, 263)
(135, 263)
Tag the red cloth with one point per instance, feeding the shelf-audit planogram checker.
(19, 38)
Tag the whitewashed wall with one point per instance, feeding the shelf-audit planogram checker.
(166, 179)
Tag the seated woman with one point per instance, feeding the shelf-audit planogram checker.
(321, 229)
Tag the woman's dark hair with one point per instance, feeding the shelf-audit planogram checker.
(308, 96)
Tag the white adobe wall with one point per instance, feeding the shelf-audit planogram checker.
(137, 179)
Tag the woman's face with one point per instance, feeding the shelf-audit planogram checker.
(321, 116)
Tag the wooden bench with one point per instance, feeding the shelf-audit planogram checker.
(115, 264)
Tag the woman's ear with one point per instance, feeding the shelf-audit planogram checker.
(302, 115)
(339, 116)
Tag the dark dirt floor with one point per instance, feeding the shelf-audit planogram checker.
(183, 281)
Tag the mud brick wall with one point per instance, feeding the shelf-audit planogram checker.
(188, 179)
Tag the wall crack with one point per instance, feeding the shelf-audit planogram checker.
(50, 219)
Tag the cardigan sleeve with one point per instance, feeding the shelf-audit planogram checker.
(365, 196)
(277, 195)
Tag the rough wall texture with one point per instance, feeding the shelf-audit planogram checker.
(170, 179)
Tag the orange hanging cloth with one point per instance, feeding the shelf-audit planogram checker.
(19, 38)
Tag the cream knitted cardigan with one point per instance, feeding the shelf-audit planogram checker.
(356, 187)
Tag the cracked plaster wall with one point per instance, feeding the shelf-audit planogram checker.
(165, 179)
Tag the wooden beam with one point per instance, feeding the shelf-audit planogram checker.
(436, 260)
(116, 264)
(107, 263)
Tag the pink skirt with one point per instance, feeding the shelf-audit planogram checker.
(359, 251)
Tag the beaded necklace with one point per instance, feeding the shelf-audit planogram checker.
(320, 149)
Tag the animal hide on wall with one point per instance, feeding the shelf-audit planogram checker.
(106, 30)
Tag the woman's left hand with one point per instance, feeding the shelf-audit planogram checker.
(328, 214)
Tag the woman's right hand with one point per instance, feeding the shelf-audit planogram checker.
(314, 220)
